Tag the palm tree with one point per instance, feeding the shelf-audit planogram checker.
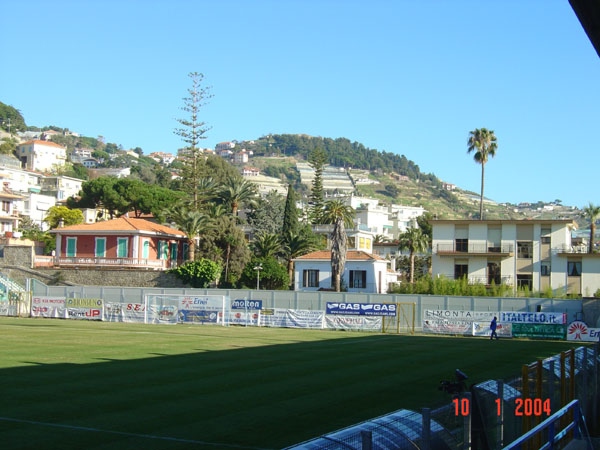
(591, 212)
(415, 242)
(236, 190)
(483, 143)
(267, 245)
(340, 215)
(191, 223)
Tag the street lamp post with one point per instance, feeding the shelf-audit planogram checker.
(258, 268)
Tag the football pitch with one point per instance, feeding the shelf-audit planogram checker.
(67, 384)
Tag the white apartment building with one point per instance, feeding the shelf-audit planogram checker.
(385, 220)
(26, 188)
(41, 156)
(537, 254)
(36, 207)
(61, 187)
(9, 213)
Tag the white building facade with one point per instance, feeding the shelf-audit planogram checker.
(386, 220)
(363, 272)
(41, 156)
(534, 254)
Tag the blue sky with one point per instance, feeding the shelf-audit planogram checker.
(408, 77)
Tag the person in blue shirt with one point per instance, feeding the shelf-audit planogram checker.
(493, 326)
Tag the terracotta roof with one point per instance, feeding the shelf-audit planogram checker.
(40, 142)
(121, 224)
(351, 255)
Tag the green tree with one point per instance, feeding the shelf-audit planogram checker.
(11, 119)
(8, 146)
(273, 275)
(198, 274)
(32, 231)
(141, 198)
(68, 216)
(482, 142)
(424, 223)
(191, 223)
(317, 160)
(341, 216)
(234, 191)
(192, 131)
(99, 193)
(290, 214)
(267, 214)
(415, 242)
(267, 245)
(298, 244)
(592, 212)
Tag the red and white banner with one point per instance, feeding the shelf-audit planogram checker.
(49, 307)
(579, 331)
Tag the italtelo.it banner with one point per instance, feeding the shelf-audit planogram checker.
(542, 325)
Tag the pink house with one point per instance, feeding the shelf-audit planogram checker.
(122, 242)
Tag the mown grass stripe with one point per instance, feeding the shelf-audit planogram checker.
(135, 435)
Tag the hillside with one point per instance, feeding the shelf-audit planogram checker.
(389, 177)
(428, 193)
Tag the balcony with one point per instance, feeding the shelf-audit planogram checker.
(113, 263)
(570, 249)
(489, 250)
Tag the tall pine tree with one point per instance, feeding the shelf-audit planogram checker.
(317, 160)
(192, 131)
(290, 215)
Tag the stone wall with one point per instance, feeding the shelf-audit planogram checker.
(17, 263)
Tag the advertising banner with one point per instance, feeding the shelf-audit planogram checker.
(461, 322)
(289, 318)
(539, 330)
(361, 309)
(162, 313)
(49, 307)
(125, 312)
(242, 303)
(447, 326)
(359, 323)
(579, 331)
(528, 317)
(84, 308)
(483, 329)
(244, 317)
(204, 309)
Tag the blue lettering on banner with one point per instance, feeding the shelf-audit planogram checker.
(362, 309)
(517, 317)
(241, 303)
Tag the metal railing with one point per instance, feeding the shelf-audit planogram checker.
(45, 261)
(548, 429)
(474, 248)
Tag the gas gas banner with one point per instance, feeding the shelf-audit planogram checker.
(361, 309)
(84, 308)
(50, 307)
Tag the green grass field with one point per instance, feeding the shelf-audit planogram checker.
(97, 385)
